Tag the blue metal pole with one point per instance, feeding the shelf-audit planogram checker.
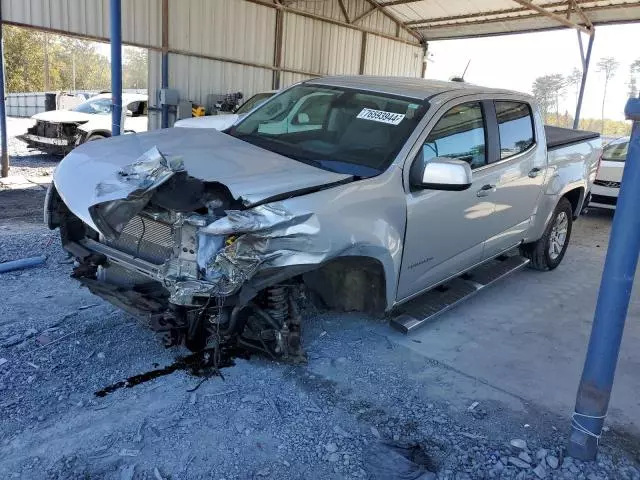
(164, 80)
(620, 265)
(116, 66)
(4, 162)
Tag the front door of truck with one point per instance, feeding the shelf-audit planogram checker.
(446, 230)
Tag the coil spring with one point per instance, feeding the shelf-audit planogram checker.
(277, 305)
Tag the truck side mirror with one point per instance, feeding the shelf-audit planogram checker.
(440, 173)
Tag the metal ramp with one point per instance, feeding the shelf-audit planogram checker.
(429, 305)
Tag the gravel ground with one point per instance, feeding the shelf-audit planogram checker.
(362, 407)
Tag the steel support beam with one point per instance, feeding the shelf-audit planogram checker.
(4, 162)
(558, 18)
(364, 15)
(116, 65)
(277, 55)
(164, 80)
(620, 265)
(344, 11)
(585, 70)
(363, 53)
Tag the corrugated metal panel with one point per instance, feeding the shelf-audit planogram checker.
(141, 22)
(379, 22)
(376, 21)
(387, 57)
(289, 78)
(195, 78)
(325, 8)
(464, 18)
(224, 28)
(141, 19)
(320, 47)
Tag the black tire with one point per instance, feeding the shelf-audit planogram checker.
(94, 137)
(539, 252)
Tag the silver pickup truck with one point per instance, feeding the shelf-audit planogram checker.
(387, 195)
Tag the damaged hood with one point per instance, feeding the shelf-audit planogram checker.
(63, 116)
(250, 173)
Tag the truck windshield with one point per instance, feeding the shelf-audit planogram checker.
(337, 129)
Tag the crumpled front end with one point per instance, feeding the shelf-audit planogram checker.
(52, 138)
(176, 251)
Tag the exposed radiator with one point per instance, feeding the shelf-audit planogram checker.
(147, 239)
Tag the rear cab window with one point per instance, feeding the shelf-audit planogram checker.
(515, 127)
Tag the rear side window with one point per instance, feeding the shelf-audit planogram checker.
(459, 134)
(515, 125)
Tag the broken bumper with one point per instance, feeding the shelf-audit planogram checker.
(46, 144)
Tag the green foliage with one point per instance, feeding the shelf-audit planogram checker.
(24, 59)
(548, 90)
(634, 71)
(611, 128)
(37, 61)
(135, 65)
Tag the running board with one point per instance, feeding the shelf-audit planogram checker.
(429, 305)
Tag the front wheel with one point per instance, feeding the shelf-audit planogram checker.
(548, 251)
(94, 137)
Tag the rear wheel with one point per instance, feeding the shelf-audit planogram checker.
(548, 251)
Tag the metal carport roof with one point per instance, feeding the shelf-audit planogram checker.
(442, 19)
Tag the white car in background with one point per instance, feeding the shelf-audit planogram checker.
(225, 120)
(60, 131)
(606, 188)
(305, 115)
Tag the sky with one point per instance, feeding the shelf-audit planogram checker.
(514, 62)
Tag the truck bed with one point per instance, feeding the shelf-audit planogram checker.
(558, 137)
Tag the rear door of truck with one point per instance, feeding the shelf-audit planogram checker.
(519, 167)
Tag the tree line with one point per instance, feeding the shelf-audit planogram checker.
(37, 61)
(549, 90)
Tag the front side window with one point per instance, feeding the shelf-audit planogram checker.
(333, 128)
(515, 126)
(101, 106)
(459, 134)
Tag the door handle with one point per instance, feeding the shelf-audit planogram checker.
(486, 190)
(533, 173)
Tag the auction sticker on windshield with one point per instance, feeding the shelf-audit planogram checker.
(381, 116)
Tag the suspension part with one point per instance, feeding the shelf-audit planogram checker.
(277, 305)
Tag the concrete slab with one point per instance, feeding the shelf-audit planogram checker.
(13, 180)
(528, 334)
(20, 182)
